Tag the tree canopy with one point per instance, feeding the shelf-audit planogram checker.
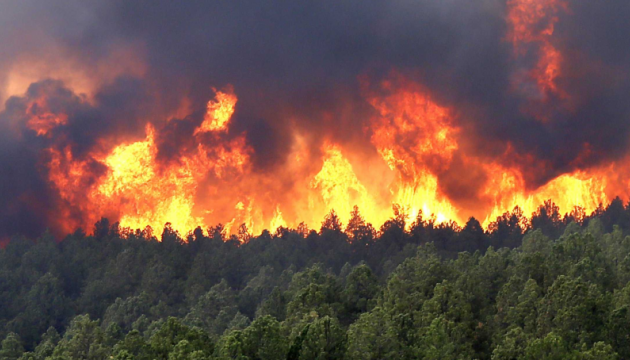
(547, 287)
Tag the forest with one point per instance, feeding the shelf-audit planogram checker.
(542, 287)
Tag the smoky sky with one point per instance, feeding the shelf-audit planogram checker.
(301, 60)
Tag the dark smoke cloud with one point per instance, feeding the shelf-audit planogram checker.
(294, 63)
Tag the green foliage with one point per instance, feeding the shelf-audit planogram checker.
(373, 336)
(263, 339)
(84, 339)
(175, 337)
(214, 310)
(360, 290)
(12, 348)
(133, 345)
(431, 291)
(324, 339)
(414, 280)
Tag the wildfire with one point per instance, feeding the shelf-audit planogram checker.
(339, 186)
(416, 138)
(415, 142)
(43, 123)
(42, 117)
(531, 29)
(507, 190)
(146, 194)
(219, 112)
(137, 189)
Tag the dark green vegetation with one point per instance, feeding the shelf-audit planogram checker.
(544, 288)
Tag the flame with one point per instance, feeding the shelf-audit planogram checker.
(70, 177)
(219, 112)
(146, 194)
(339, 186)
(133, 187)
(42, 120)
(506, 188)
(531, 26)
(138, 189)
(277, 221)
(414, 142)
(415, 139)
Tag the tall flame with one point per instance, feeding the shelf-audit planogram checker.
(136, 188)
(339, 186)
(416, 138)
(414, 141)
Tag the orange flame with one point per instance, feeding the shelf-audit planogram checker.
(146, 194)
(136, 188)
(219, 112)
(415, 139)
(532, 23)
(507, 190)
(41, 119)
(339, 186)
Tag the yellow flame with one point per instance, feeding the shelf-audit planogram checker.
(145, 194)
(339, 186)
(219, 112)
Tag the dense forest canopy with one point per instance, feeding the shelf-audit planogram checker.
(545, 287)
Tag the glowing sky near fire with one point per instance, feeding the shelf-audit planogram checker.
(264, 116)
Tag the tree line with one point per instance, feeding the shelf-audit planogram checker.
(544, 287)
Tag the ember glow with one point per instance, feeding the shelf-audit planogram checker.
(266, 129)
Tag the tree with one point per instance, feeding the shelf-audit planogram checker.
(263, 339)
(12, 347)
(507, 230)
(315, 294)
(445, 326)
(230, 346)
(126, 312)
(361, 288)
(442, 339)
(511, 346)
(518, 305)
(324, 339)
(331, 223)
(101, 228)
(214, 310)
(372, 337)
(472, 237)
(45, 306)
(358, 230)
(47, 345)
(274, 305)
(133, 346)
(414, 280)
(547, 218)
(84, 339)
(172, 333)
(551, 347)
(574, 310)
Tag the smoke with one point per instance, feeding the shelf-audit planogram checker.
(112, 67)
